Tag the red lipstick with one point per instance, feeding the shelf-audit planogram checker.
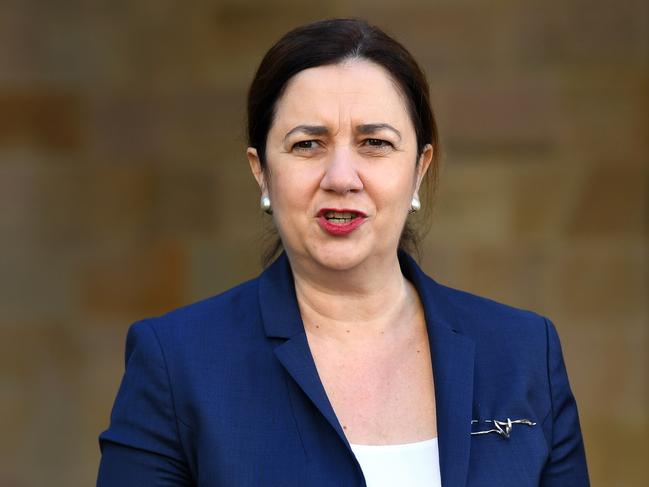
(340, 221)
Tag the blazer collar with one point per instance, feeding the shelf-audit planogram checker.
(452, 357)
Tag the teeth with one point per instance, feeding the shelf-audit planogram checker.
(340, 217)
(346, 215)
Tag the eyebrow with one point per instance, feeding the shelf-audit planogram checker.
(364, 129)
(307, 129)
(370, 128)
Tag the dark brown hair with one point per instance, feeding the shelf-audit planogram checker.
(329, 42)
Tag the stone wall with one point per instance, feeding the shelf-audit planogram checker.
(124, 192)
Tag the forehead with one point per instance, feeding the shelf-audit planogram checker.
(355, 90)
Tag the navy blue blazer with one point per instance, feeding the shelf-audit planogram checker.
(225, 392)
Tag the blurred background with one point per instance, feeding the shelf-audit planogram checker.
(125, 192)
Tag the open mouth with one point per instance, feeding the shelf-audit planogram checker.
(340, 221)
(340, 217)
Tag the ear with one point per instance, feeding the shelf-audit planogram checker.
(255, 167)
(425, 159)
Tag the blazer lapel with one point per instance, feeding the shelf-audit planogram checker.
(281, 318)
(453, 356)
(453, 360)
(295, 356)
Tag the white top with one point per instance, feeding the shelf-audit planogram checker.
(406, 465)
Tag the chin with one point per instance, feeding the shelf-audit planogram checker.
(340, 257)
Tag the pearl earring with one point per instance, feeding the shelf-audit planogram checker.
(265, 204)
(415, 204)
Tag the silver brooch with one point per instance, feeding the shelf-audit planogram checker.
(503, 428)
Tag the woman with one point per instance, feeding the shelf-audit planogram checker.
(343, 364)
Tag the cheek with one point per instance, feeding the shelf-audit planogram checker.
(391, 190)
(293, 188)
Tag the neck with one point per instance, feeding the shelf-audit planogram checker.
(369, 301)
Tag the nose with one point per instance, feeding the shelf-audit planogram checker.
(341, 174)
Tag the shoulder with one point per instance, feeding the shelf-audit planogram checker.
(220, 318)
(482, 318)
(234, 300)
(478, 314)
(476, 317)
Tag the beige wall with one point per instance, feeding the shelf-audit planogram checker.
(124, 192)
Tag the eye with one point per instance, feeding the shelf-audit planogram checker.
(377, 143)
(305, 145)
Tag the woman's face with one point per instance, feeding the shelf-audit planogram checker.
(341, 165)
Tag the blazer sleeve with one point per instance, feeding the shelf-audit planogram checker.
(566, 465)
(142, 444)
